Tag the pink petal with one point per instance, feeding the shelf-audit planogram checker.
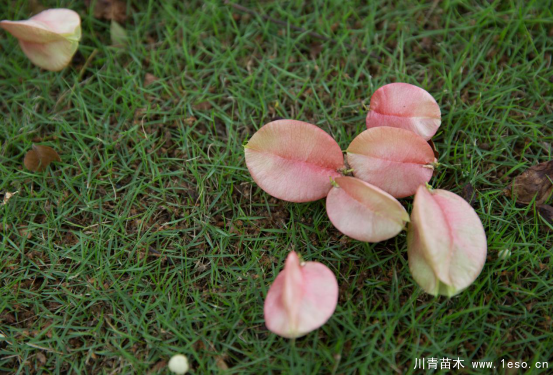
(293, 160)
(363, 211)
(401, 105)
(395, 160)
(302, 298)
(49, 39)
(446, 242)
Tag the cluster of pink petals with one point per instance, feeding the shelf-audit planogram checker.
(299, 162)
(49, 39)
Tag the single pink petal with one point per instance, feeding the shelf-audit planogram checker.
(395, 160)
(302, 298)
(49, 39)
(363, 211)
(446, 242)
(401, 105)
(293, 160)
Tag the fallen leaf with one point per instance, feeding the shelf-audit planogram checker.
(109, 9)
(190, 121)
(118, 34)
(536, 181)
(220, 363)
(202, 106)
(25, 232)
(546, 213)
(41, 357)
(149, 79)
(37, 159)
(434, 149)
(315, 50)
(8, 196)
(160, 365)
(469, 194)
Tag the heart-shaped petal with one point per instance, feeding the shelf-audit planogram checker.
(401, 105)
(302, 298)
(293, 160)
(49, 39)
(395, 160)
(363, 211)
(446, 242)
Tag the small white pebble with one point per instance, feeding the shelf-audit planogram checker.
(178, 364)
(504, 254)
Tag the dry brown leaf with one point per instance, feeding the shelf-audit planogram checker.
(149, 79)
(220, 363)
(546, 213)
(37, 159)
(315, 50)
(25, 232)
(159, 366)
(536, 182)
(434, 149)
(469, 194)
(41, 357)
(190, 120)
(202, 106)
(109, 9)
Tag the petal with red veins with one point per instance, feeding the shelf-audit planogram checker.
(363, 211)
(302, 298)
(395, 160)
(446, 242)
(293, 160)
(401, 105)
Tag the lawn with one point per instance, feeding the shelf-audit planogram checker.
(150, 237)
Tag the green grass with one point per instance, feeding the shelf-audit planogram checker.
(150, 237)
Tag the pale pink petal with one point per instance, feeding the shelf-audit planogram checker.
(65, 22)
(302, 298)
(395, 160)
(52, 56)
(49, 39)
(363, 211)
(401, 105)
(446, 242)
(293, 160)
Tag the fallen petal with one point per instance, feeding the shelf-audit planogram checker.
(401, 105)
(395, 160)
(446, 242)
(302, 298)
(363, 211)
(49, 39)
(293, 160)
